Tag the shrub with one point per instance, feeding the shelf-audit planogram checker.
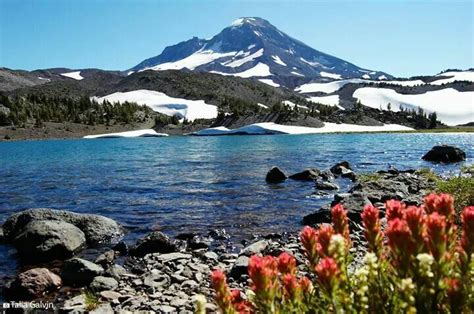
(423, 266)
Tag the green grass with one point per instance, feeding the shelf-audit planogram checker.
(368, 177)
(92, 301)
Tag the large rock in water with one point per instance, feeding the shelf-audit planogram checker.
(97, 229)
(44, 240)
(155, 242)
(445, 154)
(32, 284)
(306, 175)
(275, 175)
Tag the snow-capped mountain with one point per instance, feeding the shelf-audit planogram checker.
(252, 47)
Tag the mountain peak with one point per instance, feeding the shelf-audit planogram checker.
(256, 21)
(253, 47)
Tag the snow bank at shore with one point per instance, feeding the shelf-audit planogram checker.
(273, 128)
(137, 133)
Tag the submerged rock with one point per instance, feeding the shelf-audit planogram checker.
(96, 228)
(275, 175)
(155, 242)
(33, 283)
(324, 185)
(445, 154)
(43, 240)
(306, 175)
(79, 272)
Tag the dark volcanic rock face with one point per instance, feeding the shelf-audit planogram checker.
(445, 154)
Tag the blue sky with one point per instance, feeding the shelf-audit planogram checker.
(402, 38)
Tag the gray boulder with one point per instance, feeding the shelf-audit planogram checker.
(275, 175)
(445, 154)
(78, 272)
(154, 242)
(33, 283)
(43, 240)
(306, 175)
(240, 267)
(254, 248)
(97, 229)
(101, 283)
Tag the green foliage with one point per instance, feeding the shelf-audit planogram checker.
(462, 189)
(92, 301)
(41, 108)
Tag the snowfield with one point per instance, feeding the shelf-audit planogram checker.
(269, 128)
(74, 75)
(269, 82)
(330, 75)
(327, 88)
(138, 133)
(451, 106)
(193, 61)
(456, 76)
(260, 70)
(332, 100)
(162, 103)
(239, 62)
(277, 60)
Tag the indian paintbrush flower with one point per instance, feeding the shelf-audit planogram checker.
(372, 226)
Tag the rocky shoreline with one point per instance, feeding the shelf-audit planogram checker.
(164, 275)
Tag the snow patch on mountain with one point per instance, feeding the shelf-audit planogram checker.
(330, 75)
(451, 106)
(76, 75)
(331, 100)
(278, 61)
(296, 73)
(328, 88)
(260, 70)
(269, 82)
(193, 61)
(237, 63)
(270, 128)
(137, 133)
(162, 103)
(456, 76)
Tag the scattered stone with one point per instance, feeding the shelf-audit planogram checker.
(445, 154)
(172, 257)
(254, 248)
(101, 283)
(110, 295)
(78, 304)
(166, 309)
(306, 175)
(240, 267)
(338, 168)
(106, 259)
(154, 242)
(156, 279)
(211, 256)
(219, 234)
(79, 272)
(116, 271)
(33, 283)
(42, 240)
(96, 228)
(103, 308)
(324, 185)
(275, 175)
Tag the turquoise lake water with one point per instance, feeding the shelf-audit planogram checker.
(194, 184)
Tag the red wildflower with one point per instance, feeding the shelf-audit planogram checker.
(467, 241)
(238, 303)
(415, 218)
(373, 233)
(400, 243)
(305, 284)
(325, 232)
(223, 295)
(394, 209)
(328, 272)
(436, 234)
(286, 263)
(442, 203)
(309, 239)
(262, 271)
(340, 221)
(291, 286)
(454, 294)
